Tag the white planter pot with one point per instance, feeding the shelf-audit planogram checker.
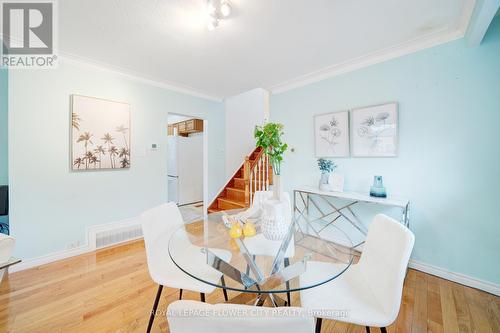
(277, 187)
(274, 222)
(323, 182)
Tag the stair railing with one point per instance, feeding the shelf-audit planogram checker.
(257, 175)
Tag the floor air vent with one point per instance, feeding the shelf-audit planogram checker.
(118, 235)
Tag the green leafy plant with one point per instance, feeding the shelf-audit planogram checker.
(326, 166)
(269, 138)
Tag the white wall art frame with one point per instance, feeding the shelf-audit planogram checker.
(374, 131)
(331, 134)
(100, 134)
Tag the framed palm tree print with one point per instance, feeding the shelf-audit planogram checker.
(100, 134)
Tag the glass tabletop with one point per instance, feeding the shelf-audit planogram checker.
(258, 265)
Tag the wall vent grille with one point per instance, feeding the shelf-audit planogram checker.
(118, 235)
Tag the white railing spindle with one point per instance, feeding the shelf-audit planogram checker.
(259, 176)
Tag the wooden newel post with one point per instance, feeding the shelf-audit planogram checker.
(246, 177)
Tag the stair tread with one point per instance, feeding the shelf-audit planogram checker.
(234, 202)
(235, 189)
(239, 178)
(233, 194)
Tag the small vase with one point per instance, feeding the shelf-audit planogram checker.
(323, 182)
(378, 189)
(277, 187)
(274, 223)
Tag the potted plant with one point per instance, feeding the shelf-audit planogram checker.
(326, 167)
(274, 211)
(269, 137)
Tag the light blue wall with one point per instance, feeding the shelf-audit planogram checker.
(449, 158)
(51, 206)
(3, 131)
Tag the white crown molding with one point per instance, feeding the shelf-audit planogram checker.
(466, 18)
(70, 58)
(466, 280)
(402, 49)
(369, 59)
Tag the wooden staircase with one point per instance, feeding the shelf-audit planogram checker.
(255, 174)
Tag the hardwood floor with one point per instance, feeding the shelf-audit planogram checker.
(111, 291)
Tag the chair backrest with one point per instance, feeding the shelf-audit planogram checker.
(158, 224)
(6, 247)
(384, 261)
(194, 317)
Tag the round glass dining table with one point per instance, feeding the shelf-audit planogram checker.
(259, 266)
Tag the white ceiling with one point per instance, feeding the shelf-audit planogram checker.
(266, 43)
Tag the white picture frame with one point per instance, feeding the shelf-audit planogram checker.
(336, 182)
(374, 131)
(331, 134)
(100, 134)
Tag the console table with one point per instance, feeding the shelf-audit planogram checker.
(306, 197)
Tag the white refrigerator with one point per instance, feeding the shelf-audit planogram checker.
(185, 169)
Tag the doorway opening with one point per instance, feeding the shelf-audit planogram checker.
(186, 164)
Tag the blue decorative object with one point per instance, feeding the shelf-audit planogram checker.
(378, 189)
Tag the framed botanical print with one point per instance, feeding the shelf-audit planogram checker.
(374, 131)
(331, 134)
(100, 134)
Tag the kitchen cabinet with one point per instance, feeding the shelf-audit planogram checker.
(184, 128)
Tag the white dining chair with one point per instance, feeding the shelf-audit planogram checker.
(158, 225)
(6, 248)
(194, 317)
(261, 246)
(369, 291)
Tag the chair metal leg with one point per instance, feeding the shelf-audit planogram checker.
(155, 306)
(288, 298)
(202, 297)
(224, 291)
(180, 294)
(383, 330)
(318, 325)
(367, 329)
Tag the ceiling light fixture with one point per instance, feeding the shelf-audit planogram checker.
(217, 10)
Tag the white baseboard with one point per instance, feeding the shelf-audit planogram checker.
(466, 280)
(48, 258)
(89, 246)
